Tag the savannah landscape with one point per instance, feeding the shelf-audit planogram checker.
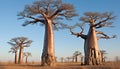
(51, 14)
(36, 65)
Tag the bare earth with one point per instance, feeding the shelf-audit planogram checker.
(110, 65)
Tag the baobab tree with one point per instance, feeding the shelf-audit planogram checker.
(103, 57)
(47, 13)
(117, 58)
(95, 20)
(14, 49)
(62, 59)
(68, 59)
(73, 58)
(20, 42)
(26, 55)
(76, 54)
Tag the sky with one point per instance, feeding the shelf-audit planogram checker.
(65, 43)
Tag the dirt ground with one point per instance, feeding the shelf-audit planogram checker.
(110, 65)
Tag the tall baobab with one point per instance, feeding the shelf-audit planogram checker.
(47, 13)
(20, 42)
(95, 20)
(76, 54)
(26, 55)
(14, 49)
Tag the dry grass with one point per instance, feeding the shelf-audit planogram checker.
(109, 65)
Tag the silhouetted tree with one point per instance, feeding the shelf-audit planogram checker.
(76, 54)
(48, 13)
(20, 42)
(26, 55)
(14, 49)
(95, 20)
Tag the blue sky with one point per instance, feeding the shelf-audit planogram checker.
(65, 43)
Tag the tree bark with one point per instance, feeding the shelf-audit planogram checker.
(21, 56)
(48, 54)
(92, 52)
(16, 57)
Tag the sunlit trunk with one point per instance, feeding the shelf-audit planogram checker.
(21, 56)
(16, 57)
(92, 52)
(48, 54)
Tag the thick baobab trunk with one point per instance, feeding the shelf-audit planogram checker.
(92, 52)
(48, 54)
(21, 56)
(16, 57)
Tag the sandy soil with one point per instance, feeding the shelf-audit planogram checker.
(60, 66)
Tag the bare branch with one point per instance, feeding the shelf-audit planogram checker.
(65, 10)
(104, 36)
(105, 20)
(90, 17)
(73, 33)
(105, 24)
(78, 34)
(60, 26)
(98, 20)
(33, 21)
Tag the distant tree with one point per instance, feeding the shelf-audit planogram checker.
(82, 60)
(76, 54)
(117, 58)
(20, 42)
(14, 49)
(62, 59)
(48, 13)
(26, 55)
(95, 20)
(103, 57)
(73, 57)
(68, 59)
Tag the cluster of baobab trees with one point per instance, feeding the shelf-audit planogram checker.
(51, 13)
(78, 56)
(73, 58)
(18, 44)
